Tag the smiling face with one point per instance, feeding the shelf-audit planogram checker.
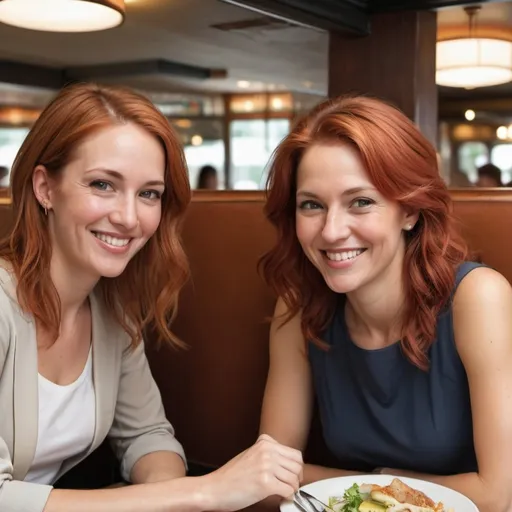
(347, 229)
(106, 203)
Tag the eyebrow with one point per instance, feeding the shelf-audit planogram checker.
(119, 176)
(348, 192)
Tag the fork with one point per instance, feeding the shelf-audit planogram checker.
(308, 503)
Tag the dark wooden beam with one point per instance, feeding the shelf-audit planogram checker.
(340, 16)
(498, 107)
(142, 67)
(375, 6)
(396, 63)
(18, 73)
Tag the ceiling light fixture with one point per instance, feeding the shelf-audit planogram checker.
(470, 61)
(63, 15)
(469, 115)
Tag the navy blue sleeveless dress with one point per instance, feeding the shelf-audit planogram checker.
(379, 410)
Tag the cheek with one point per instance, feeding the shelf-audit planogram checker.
(84, 208)
(150, 220)
(306, 229)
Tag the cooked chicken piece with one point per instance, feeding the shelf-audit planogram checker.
(368, 488)
(401, 497)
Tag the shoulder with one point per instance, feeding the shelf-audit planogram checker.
(482, 287)
(8, 296)
(482, 318)
(106, 326)
(9, 307)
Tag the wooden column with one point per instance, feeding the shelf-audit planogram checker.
(395, 62)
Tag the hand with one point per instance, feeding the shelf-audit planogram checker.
(265, 469)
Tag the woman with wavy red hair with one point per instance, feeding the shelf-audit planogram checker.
(99, 190)
(405, 345)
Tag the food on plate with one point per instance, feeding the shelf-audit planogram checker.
(396, 497)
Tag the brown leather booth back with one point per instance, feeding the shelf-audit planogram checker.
(212, 392)
(486, 222)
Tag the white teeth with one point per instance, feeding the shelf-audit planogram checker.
(110, 240)
(344, 255)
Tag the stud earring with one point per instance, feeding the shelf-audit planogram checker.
(408, 227)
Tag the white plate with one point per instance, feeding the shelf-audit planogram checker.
(337, 486)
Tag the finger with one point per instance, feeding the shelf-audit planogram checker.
(289, 478)
(282, 490)
(291, 465)
(288, 452)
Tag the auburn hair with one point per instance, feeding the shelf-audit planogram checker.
(147, 291)
(402, 164)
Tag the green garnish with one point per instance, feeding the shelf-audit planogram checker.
(352, 498)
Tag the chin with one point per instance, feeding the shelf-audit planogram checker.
(343, 284)
(110, 271)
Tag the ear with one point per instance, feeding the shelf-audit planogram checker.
(410, 220)
(41, 187)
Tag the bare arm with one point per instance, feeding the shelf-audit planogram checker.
(288, 399)
(183, 494)
(158, 467)
(482, 317)
(265, 469)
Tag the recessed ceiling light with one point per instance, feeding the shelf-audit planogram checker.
(243, 84)
(502, 132)
(469, 115)
(62, 15)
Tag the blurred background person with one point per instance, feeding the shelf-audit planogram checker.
(207, 178)
(489, 175)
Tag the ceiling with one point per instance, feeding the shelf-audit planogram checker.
(180, 31)
(159, 34)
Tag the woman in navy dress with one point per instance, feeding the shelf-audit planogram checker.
(404, 344)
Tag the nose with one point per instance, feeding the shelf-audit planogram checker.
(336, 226)
(125, 213)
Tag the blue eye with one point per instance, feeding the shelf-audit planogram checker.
(101, 185)
(309, 205)
(151, 194)
(363, 202)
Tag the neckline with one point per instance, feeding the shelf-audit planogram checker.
(343, 323)
(72, 385)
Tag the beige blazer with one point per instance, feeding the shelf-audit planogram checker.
(128, 403)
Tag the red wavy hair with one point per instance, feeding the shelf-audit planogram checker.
(403, 166)
(147, 291)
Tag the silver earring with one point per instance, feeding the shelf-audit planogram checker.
(408, 227)
(45, 208)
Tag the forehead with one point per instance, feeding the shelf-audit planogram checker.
(123, 148)
(324, 167)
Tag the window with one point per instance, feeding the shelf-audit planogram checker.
(203, 143)
(472, 155)
(252, 144)
(501, 156)
(10, 141)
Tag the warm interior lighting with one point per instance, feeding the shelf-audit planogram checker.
(277, 103)
(196, 140)
(469, 115)
(473, 61)
(502, 132)
(63, 15)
